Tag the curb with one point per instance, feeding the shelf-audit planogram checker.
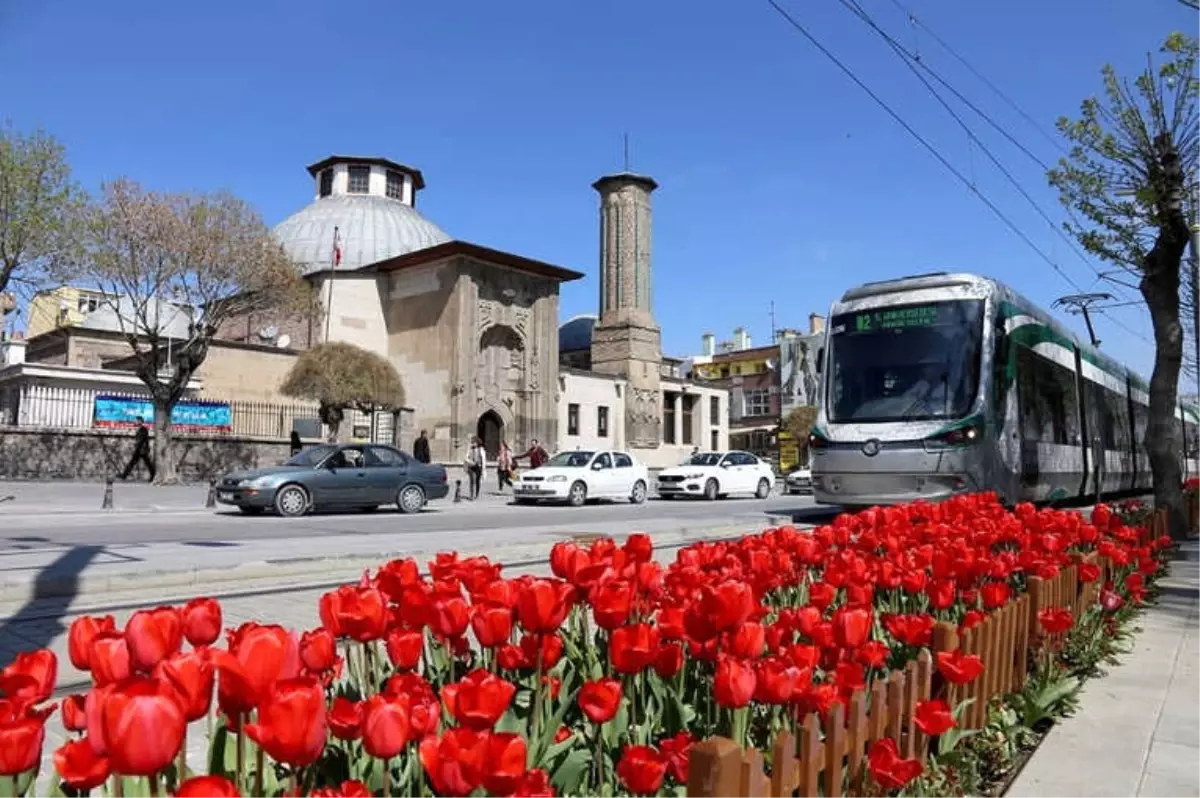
(290, 573)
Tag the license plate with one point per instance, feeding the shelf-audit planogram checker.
(225, 496)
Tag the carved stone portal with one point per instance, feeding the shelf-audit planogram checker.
(643, 418)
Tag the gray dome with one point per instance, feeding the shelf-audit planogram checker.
(370, 229)
(576, 334)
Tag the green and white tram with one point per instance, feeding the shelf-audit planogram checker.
(941, 384)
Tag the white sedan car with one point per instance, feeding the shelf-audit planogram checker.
(575, 477)
(715, 475)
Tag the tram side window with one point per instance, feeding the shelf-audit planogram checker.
(1141, 415)
(1102, 423)
(1118, 411)
(1047, 398)
(1191, 439)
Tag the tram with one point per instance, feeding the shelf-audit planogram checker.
(940, 384)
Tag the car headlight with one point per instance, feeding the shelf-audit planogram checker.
(556, 478)
(257, 482)
(694, 476)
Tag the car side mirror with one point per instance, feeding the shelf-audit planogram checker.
(725, 464)
(597, 466)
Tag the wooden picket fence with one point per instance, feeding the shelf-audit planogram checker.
(828, 757)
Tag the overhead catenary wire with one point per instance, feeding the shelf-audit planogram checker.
(922, 141)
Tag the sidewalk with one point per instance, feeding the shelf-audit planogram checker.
(1137, 731)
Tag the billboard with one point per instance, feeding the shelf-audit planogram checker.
(798, 381)
(117, 412)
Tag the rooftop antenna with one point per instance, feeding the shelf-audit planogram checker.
(626, 152)
(1081, 304)
(772, 319)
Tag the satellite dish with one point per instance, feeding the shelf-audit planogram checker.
(770, 365)
(268, 333)
(283, 341)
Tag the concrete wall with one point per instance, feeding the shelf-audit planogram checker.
(588, 394)
(355, 303)
(33, 454)
(239, 373)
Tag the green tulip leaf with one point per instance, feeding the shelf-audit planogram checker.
(27, 779)
(570, 777)
(617, 728)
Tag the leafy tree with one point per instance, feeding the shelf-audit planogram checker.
(1127, 175)
(799, 424)
(339, 377)
(173, 268)
(38, 203)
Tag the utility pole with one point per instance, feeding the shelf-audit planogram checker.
(1081, 304)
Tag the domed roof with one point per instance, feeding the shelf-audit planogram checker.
(576, 334)
(370, 229)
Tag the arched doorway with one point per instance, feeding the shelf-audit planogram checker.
(491, 431)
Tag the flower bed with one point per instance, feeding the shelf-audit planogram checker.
(600, 679)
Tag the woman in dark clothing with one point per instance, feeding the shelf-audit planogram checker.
(296, 444)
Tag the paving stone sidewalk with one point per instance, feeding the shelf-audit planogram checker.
(1137, 731)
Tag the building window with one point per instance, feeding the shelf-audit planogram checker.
(716, 440)
(326, 182)
(602, 422)
(688, 401)
(756, 402)
(360, 180)
(395, 185)
(668, 418)
(572, 419)
(714, 409)
(88, 304)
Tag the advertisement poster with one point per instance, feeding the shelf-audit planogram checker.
(117, 412)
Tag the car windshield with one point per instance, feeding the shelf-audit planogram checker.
(905, 362)
(570, 460)
(311, 457)
(705, 459)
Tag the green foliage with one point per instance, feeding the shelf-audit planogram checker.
(39, 204)
(340, 376)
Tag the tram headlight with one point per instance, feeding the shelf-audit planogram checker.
(816, 441)
(963, 436)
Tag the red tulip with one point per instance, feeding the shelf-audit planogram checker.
(492, 624)
(536, 784)
(611, 603)
(994, 594)
(318, 651)
(775, 681)
(550, 646)
(202, 621)
(1110, 600)
(143, 726)
(359, 613)
(450, 617)
(258, 656)
(959, 668)
(291, 722)
(152, 636)
(345, 718)
(479, 700)
(641, 769)
(669, 660)
(109, 659)
(748, 641)
(734, 683)
(639, 547)
(677, 752)
(404, 648)
(600, 700)
(633, 648)
(456, 762)
(934, 717)
(1055, 620)
(208, 787)
(911, 630)
(386, 725)
(1089, 572)
(74, 713)
(347, 789)
(543, 604)
(79, 766)
(729, 605)
(887, 768)
(30, 677)
(506, 754)
(80, 636)
(22, 733)
(821, 595)
(93, 706)
(851, 626)
(192, 675)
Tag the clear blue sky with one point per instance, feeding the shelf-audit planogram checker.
(780, 180)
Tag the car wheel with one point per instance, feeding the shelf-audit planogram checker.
(578, 494)
(639, 492)
(410, 499)
(251, 510)
(711, 490)
(291, 501)
(764, 489)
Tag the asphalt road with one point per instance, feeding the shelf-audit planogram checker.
(18, 531)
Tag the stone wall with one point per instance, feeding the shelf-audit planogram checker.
(36, 454)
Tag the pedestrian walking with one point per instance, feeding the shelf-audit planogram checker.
(421, 448)
(504, 467)
(297, 445)
(141, 451)
(536, 455)
(475, 463)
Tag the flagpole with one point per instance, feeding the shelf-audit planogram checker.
(333, 259)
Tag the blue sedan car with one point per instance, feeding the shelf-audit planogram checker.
(336, 476)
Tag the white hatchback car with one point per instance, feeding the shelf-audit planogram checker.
(574, 477)
(715, 475)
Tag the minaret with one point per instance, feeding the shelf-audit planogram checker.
(626, 341)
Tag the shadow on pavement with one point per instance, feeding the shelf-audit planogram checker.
(41, 619)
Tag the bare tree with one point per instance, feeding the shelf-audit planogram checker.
(1132, 161)
(799, 423)
(38, 203)
(173, 268)
(340, 377)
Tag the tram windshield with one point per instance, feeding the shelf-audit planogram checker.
(905, 362)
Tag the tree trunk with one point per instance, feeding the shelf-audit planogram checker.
(1160, 288)
(331, 416)
(164, 463)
